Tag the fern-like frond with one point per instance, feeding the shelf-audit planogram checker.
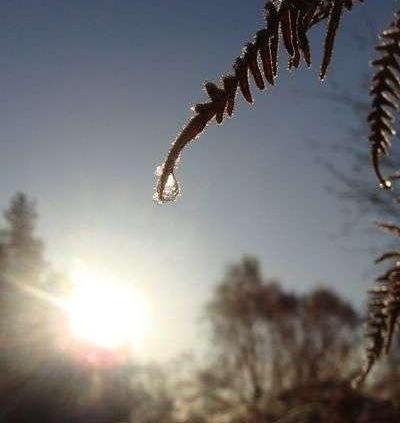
(390, 255)
(376, 328)
(391, 228)
(383, 308)
(385, 91)
(288, 20)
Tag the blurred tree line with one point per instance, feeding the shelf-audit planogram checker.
(273, 355)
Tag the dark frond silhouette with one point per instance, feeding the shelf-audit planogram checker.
(383, 307)
(289, 20)
(385, 91)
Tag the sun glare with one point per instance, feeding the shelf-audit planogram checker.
(105, 313)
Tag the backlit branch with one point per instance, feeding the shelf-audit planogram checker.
(288, 20)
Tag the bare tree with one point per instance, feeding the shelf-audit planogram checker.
(267, 340)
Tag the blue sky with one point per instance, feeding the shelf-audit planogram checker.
(93, 92)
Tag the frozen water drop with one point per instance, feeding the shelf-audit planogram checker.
(170, 191)
(386, 184)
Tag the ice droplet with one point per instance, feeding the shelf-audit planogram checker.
(171, 189)
(386, 184)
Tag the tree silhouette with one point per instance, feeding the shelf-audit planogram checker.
(24, 251)
(268, 341)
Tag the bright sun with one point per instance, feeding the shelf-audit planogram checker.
(104, 313)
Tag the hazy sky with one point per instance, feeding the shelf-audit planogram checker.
(93, 92)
